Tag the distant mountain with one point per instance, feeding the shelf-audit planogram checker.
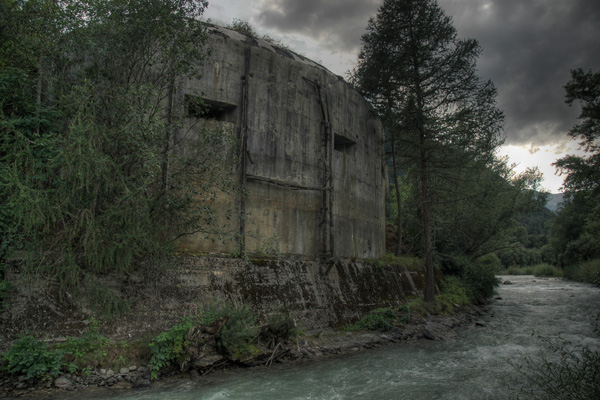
(554, 200)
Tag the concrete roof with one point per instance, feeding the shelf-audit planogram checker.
(264, 44)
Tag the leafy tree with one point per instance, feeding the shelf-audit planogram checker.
(583, 173)
(93, 168)
(537, 224)
(576, 230)
(421, 79)
(26, 123)
(575, 234)
(477, 213)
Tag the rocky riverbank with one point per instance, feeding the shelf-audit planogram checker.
(306, 347)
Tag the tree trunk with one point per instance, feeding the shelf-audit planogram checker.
(167, 138)
(38, 95)
(398, 251)
(420, 125)
(429, 279)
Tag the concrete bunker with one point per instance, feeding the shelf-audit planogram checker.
(310, 165)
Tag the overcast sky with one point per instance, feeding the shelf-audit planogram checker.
(529, 48)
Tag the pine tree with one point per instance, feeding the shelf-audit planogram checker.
(421, 79)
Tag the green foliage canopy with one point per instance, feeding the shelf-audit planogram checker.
(576, 230)
(443, 128)
(92, 176)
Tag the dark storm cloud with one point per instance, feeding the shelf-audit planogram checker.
(338, 24)
(529, 48)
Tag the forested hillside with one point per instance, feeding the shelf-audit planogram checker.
(555, 201)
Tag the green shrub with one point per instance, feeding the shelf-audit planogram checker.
(169, 346)
(237, 339)
(515, 270)
(380, 319)
(280, 326)
(420, 307)
(546, 270)
(81, 351)
(492, 260)
(37, 359)
(412, 263)
(240, 335)
(519, 256)
(537, 270)
(454, 292)
(587, 271)
(243, 27)
(480, 281)
(33, 358)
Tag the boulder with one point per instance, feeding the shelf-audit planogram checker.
(437, 331)
(63, 383)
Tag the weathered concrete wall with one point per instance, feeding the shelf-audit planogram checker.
(286, 98)
(317, 295)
